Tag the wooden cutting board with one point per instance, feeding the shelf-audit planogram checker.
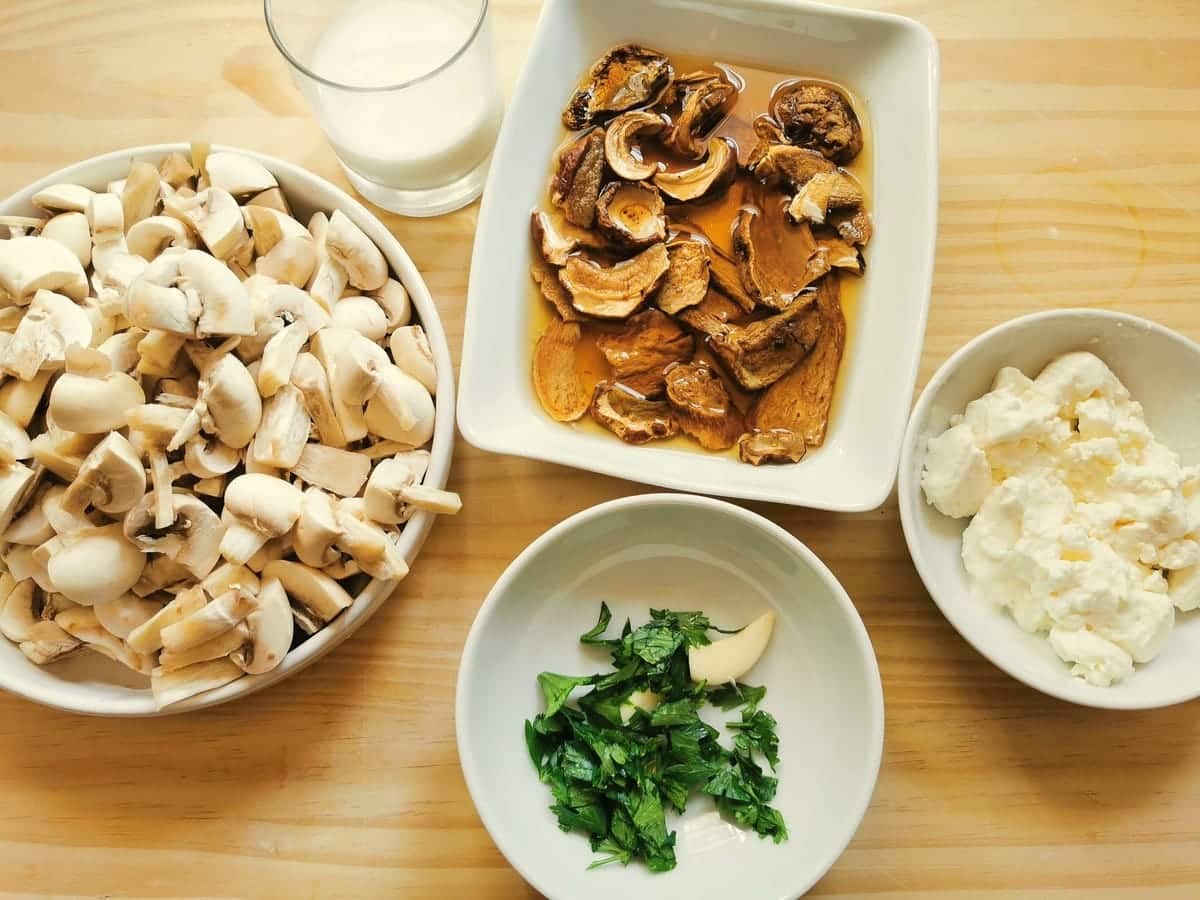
(1070, 176)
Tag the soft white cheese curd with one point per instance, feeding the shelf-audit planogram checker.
(1084, 527)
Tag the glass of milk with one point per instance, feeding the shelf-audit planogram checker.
(405, 90)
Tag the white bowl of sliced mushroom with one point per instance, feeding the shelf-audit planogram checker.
(218, 443)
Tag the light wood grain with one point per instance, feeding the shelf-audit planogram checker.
(1070, 176)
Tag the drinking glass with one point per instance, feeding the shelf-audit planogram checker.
(405, 90)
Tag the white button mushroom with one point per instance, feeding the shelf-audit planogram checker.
(192, 536)
(348, 246)
(316, 529)
(94, 403)
(111, 478)
(341, 471)
(63, 198)
(412, 355)
(362, 314)
(151, 236)
(32, 264)
(284, 430)
(238, 174)
(147, 637)
(394, 490)
(225, 305)
(81, 623)
(315, 598)
(400, 409)
(367, 543)
(177, 685)
(271, 627)
(279, 357)
(309, 376)
(261, 507)
(96, 565)
(139, 196)
(395, 302)
(214, 618)
(71, 230)
(127, 612)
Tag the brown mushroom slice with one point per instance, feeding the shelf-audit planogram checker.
(624, 77)
(703, 407)
(840, 254)
(704, 98)
(686, 281)
(723, 271)
(712, 315)
(819, 117)
(545, 277)
(769, 252)
(823, 192)
(854, 226)
(613, 292)
(577, 179)
(800, 401)
(762, 352)
(640, 353)
(558, 241)
(631, 215)
(784, 164)
(702, 181)
(771, 447)
(621, 150)
(631, 418)
(555, 378)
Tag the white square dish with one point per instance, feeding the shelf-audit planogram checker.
(891, 64)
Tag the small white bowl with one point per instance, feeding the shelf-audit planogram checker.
(89, 683)
(675, 552)
(890, 63)
(1162, 370)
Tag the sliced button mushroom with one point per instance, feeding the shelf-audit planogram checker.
(157, 353)
(340, 471)
(63, 198)
(394, 490)
(704, 181)
(315, 598)
(106, 216)
(412, 354)
(283, 432)
(366, 543)
(14, 440)
(616, 291)
(352, 364)
(176, 170)
(17, 483)
(620, 148)
(94, 403)
(703, 407)
(769, 447)
(214, 618)
(216, 217)
(225, 306)
(556, 379)
(209, 458)
(279, 358)
(397, 305)
(61, 520)
(82, 623)
(178, 685)
(401, 409)
(271, 628)
(154, 234)
(217, 647)
(192, 537)
(275, 307)
(111, 479)
(362, 314)
(162, 574)
(578, 177)
(237, 174)
(760, 353)
(32, 264)
(228, 405)
(127, 612)
(625, 77)
(292, 261)
(261, 507)
(686, 281)
(32, 527)
(71, 230)
(96, 565)
(139, 196)
(631, 215)
(154, 302)
(316, 529)
(350, 248)
(19, 400)
(269, 226)
(642, 351)
(227, 576)
(46, 642)
(147, 637)
(629, 417)
(704, 97)
(309, 376)
(21, 610)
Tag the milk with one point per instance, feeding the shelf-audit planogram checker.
(427, 134)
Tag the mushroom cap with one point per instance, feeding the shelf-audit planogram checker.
(225, 305)
(624, 157)
(350, 248)
(271, 627)
(818, 116)
(315, 597)
(316, 529)
(64, 197)
(631, 215)
(705, 180)
(123, 614)
(52, 323)
(94, 405)
(614, 292)
(154, 234)
(626, 76)
(111, 477)
(238, 174)
(96, 565)
(209, 458)
(233, 400)
(399, 393)
(71, 230)
(267, 504)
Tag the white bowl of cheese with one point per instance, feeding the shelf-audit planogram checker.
(1054, 547)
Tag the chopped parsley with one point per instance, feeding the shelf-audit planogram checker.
(634, 745)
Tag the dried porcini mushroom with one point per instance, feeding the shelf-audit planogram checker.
(578, 177)
(631, 215)
(620, 148)
(778, 446)
(823, 192)
(711, 315)
(704, 97)
(703, 407)
(686, 281)
(640, 353)
(705, 180)
(761, 352)
(631, 418)
(555, 378)
(800, 400)
(558, 241)
(624, 77)
(819, 117)
(853, 226)
(840, 254)
(546, 278)
(769, 251)
(787, 165)
(613, 292)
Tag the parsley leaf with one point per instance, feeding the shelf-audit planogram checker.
(731, 696)
(593, 636)
(557, 688)
(756, 731)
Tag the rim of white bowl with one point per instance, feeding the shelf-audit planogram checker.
(909, 491)
(703, 506)
(370, 598)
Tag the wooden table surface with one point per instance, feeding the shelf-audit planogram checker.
(1069, 177)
